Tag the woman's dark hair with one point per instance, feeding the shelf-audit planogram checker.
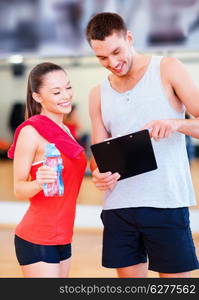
(104, 24)
(35, 81)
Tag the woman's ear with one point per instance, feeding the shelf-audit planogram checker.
(36, 97)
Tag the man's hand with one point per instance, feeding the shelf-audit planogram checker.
(105, 181)
(161, 129)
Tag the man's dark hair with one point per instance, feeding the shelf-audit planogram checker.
(104, 24)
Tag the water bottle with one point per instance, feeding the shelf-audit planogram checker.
(53, 159)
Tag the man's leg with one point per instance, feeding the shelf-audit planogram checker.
(123, 248)
(175, 275)
(169, 242)
(139, 270)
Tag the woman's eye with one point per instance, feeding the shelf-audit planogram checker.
(56, 93)
(69, 87)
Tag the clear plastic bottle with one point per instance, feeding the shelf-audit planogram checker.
(53, 159)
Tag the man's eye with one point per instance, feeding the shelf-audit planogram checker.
(69, 87)
(56, 93)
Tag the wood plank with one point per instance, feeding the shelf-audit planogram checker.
(86, 259)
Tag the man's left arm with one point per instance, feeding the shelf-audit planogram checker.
(188, 93)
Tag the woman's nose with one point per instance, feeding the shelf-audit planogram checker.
(67, 94)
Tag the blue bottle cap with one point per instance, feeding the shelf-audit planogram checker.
(51, 150)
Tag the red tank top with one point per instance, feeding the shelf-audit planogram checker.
(50, 220)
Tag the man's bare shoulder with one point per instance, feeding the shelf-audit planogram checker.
(94, 96)
(95, 91)
(173, 70)
(171, 64)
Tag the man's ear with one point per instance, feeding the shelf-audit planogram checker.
(129, 37)
(36, 97)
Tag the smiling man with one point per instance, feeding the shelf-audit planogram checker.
(146, 217)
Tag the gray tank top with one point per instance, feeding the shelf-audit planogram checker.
(169, 186)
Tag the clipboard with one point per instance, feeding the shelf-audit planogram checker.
(129, 155)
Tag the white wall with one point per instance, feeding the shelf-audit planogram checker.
(83, 77)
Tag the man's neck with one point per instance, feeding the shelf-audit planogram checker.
(140, 63)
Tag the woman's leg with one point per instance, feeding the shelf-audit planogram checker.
(43, 260)
(41, 269)
(65, 267)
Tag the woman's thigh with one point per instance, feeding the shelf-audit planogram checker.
(41, 269)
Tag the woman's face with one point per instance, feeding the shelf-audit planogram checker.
(55, 94)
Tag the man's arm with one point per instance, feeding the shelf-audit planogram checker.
(188, 93)
(99, 132)
(107, 180)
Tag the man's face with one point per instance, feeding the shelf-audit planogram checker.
(114, 53)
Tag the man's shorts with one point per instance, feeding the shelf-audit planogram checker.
(29, 253)
(160, 235)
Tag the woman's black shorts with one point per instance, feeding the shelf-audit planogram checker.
(29, 253)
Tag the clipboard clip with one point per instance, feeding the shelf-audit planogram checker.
(111, 138)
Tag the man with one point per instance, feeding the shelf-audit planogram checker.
(145, 215)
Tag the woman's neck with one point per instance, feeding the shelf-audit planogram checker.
(58, 119)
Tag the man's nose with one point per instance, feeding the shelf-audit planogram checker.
(113, 62)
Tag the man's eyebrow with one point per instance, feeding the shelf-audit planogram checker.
(115, 50)
(100, 56)
(118, 48)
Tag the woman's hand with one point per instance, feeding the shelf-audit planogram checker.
(44, 175)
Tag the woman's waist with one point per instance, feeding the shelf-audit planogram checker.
(49, 215)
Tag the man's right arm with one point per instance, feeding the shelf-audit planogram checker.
(107, 180)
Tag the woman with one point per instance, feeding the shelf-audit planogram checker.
(43, 237)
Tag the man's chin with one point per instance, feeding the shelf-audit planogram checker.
(123, 72)
(120, 74)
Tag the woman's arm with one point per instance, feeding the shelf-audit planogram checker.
(26, 147)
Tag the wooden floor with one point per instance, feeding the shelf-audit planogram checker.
(86, 261)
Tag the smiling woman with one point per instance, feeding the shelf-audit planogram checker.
(48, 88)
(58, 96)
(43, 237)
